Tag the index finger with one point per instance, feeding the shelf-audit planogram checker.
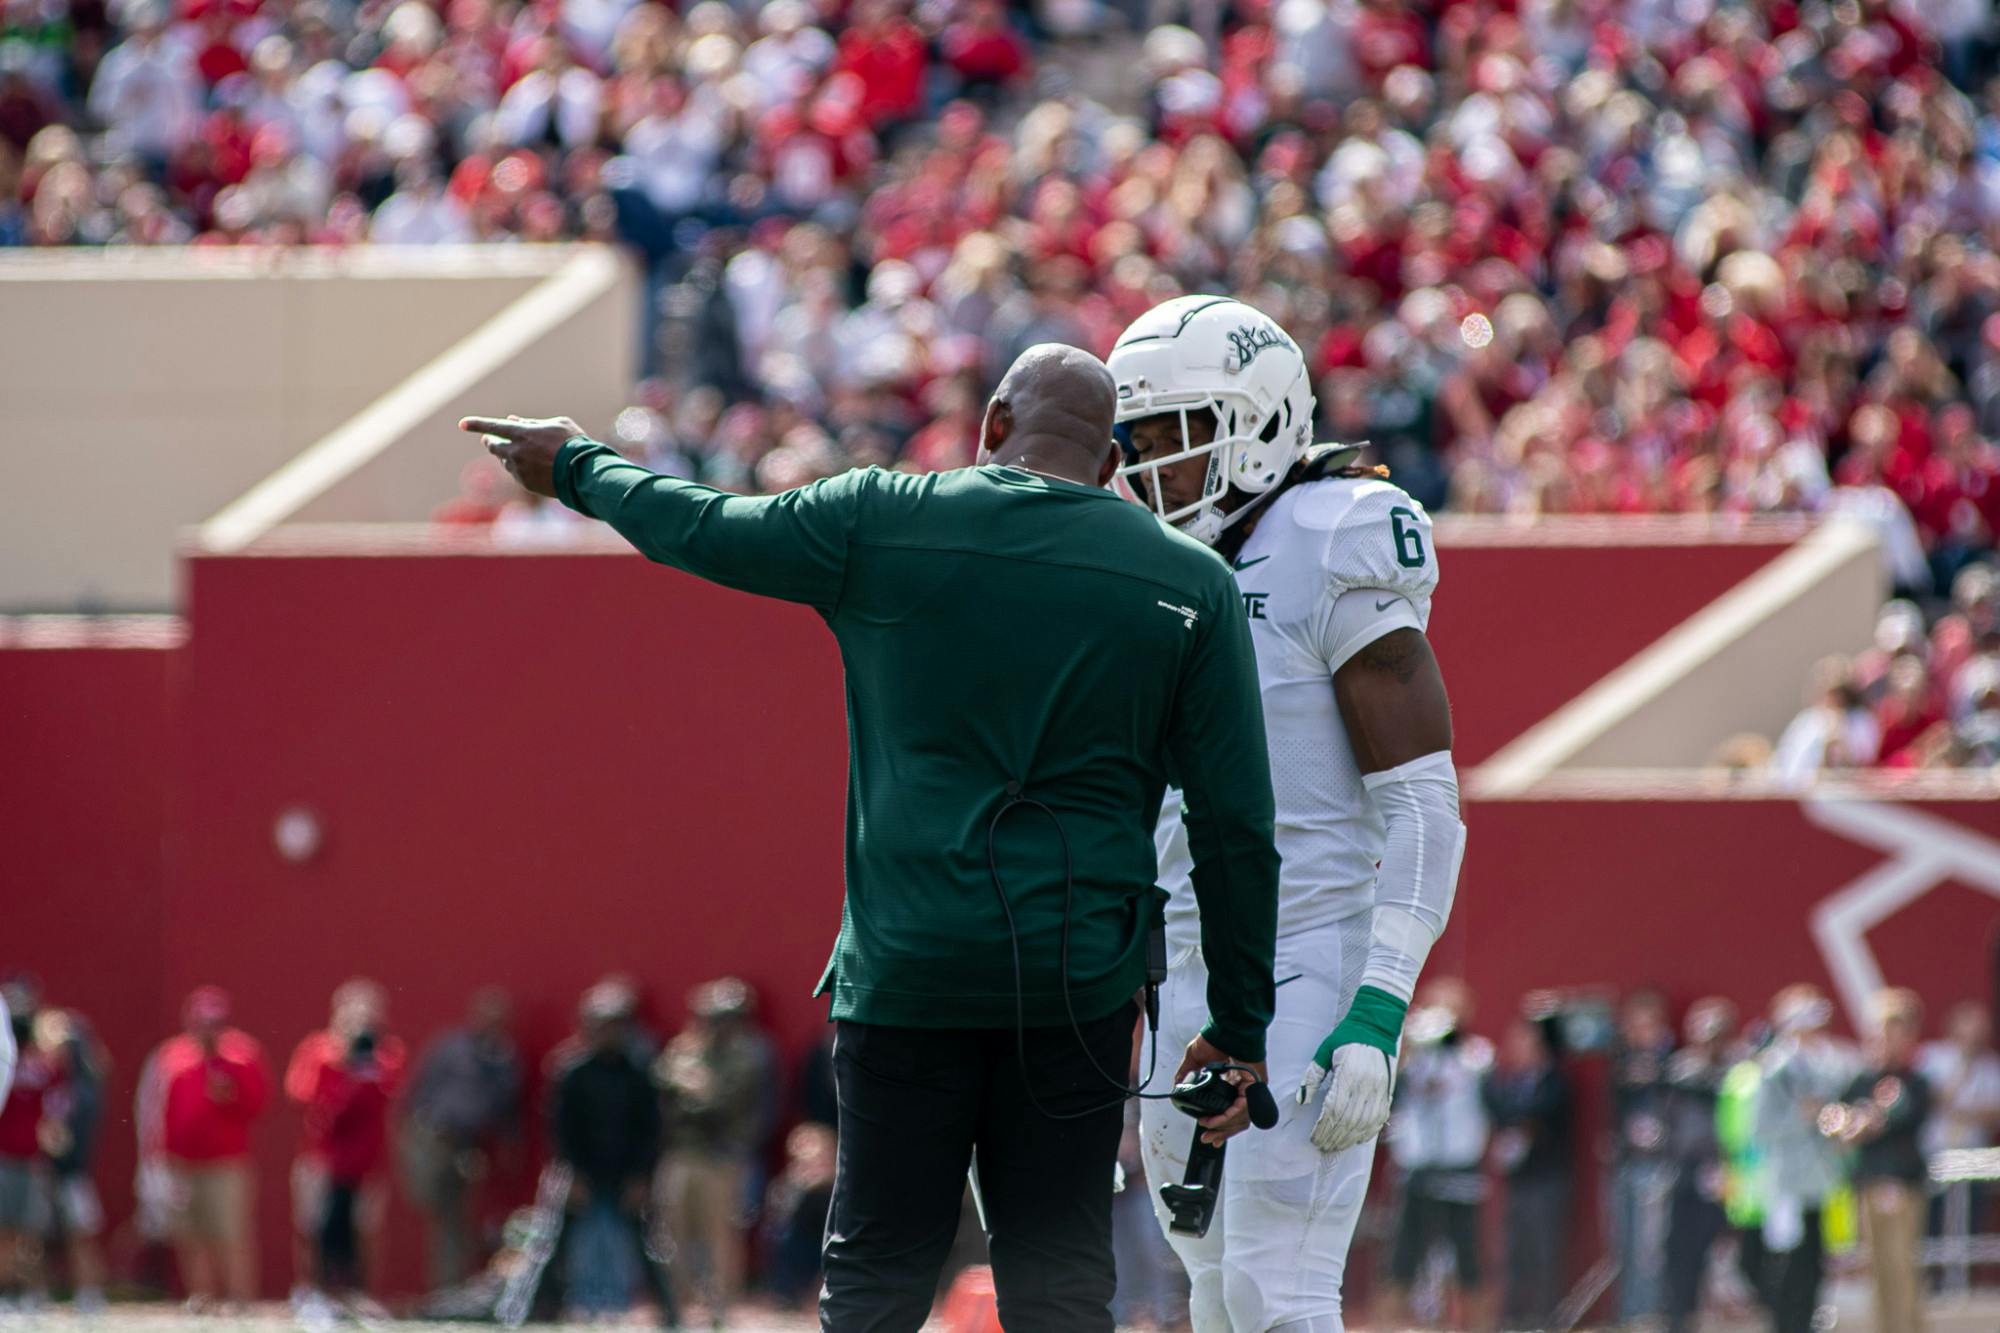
(506, 430)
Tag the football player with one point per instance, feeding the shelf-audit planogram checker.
(1336, 569)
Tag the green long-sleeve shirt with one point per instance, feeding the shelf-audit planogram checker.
(1000, 627)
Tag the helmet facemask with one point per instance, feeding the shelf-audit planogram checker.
(1208, 358)
(1253, 463)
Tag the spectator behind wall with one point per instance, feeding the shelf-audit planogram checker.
(1835, 729)
(1530, 1105)
(718, 1078)
(464, 1103)
(1438, 1134)
(1881, 1115)
(1964, 1074)
(36, 1077)
(605, 1124)
(795, 1214)
(1696, 1219)
(73, 1116)
(1642, 1171)
(1800, 1170)
(212, 1086)
(343, 1078)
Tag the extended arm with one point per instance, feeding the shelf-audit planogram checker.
(1398, 721)
(791, 546)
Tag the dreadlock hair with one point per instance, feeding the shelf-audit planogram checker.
(1322, 462)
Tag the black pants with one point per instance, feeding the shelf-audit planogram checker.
(1537, 1214)
(547, 1302)
(1424, 1222)
(915, 1106)
(1693, 1225)
(339, 1239)
(1792, 1280)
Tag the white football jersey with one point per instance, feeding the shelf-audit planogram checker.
(1319, 540)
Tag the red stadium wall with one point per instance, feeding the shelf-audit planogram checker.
(529, 770)
(537, 768)
(85, 749)
(1521, 628)
(1702, 897)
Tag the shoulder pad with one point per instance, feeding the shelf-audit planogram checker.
(1376, 536)
(1321, 461)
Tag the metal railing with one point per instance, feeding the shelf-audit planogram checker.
(1956, 1249)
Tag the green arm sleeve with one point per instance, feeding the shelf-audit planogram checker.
(791, 546)
(1216, 743)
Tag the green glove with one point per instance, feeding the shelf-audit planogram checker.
(1374, 1019)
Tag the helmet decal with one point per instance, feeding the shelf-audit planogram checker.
(1250, 339)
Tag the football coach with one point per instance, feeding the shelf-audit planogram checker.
(1029, 660)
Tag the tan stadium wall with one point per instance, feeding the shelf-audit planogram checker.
(1754, 680)
(1739, 664)
(143, 390)
(564, 350)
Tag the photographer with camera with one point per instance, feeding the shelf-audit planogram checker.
(718, 1084)
(1881, 1116)
(605, 1129)
(344, 1078)
(1438, 1132)
(1027, 656)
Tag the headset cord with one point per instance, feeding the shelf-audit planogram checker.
(1016, 799)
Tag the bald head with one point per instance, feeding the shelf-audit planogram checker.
(1063, 383)
(1053, 412)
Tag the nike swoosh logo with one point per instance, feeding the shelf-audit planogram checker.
(1245, 564)
(1384, 606)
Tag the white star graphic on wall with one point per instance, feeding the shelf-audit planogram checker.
(1923, 852)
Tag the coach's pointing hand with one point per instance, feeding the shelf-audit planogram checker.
(527, 445)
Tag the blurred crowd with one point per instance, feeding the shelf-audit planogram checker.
(1925, 694)
(663, 1175)
(1736, 1160)
(1548, 255)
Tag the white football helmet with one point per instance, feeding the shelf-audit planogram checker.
(1211, 353)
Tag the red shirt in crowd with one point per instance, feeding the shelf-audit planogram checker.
(1903, 724)
(346, 1102)
(984, 49)
(35, 1076)
(889, 60)
(211, 1096)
